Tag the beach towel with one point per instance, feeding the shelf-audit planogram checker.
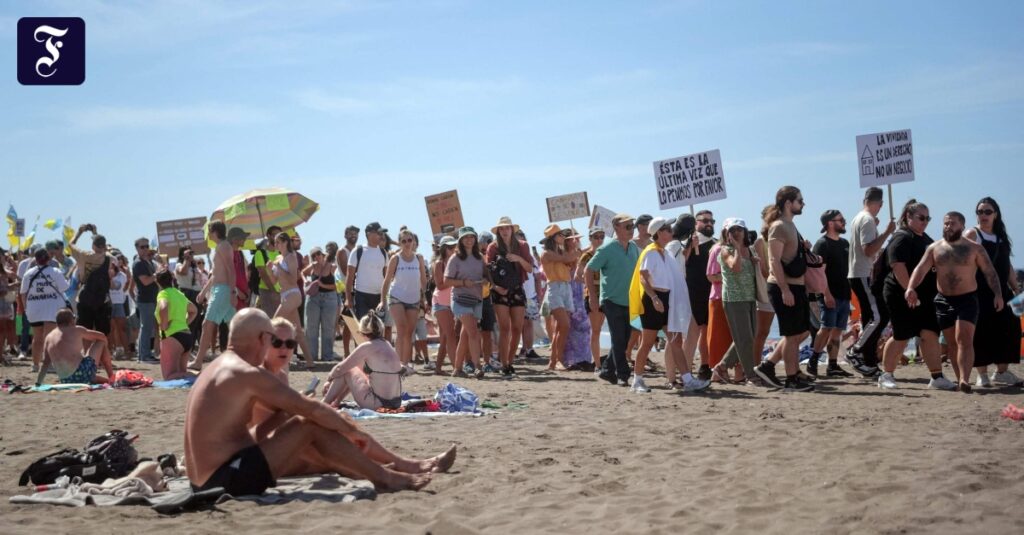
(186, 382)
(368, 414)
(1013, 412)
(130, 379)
(179, 496)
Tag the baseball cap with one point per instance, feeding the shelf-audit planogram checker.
(594, 230)
(829, 215)
(621, 218)
(375, 227)
(644, 219)
(657, 223)
(236, 233)
(734, 222)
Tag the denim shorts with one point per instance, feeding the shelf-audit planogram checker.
(436, 307)
(476, 310)
(560, 296)
(835, 318)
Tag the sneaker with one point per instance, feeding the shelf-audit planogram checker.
(479, 373)
(965, 388)
(798, 385)
(149, 360)
(512, 369)
(533, 355)
(983, 381)
(704, 372)
(766, 371)
(460, 374)
(491, 368)
(1006, 378)
(22, 356)
(887, 381)
(505, 374)
(429, 366)
(854, 359)
(941, 384)
(622, 382)
(836, 371)
(697, 385)
(607, 376)
(468, 369)
(639, 386)
(812, 366)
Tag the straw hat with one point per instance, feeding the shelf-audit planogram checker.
(551, 230)
(505, 221)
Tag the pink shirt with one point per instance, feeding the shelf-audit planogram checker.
(714, 268)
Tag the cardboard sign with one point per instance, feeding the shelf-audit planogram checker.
(601, 217)
(566, 207)
(885, 158)
(19, 228)
(353, 327)
(689, 179)
(182, 233)
(445, 212)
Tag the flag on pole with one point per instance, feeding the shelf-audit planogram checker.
(52, 224)
(12, 215)
(31, 238)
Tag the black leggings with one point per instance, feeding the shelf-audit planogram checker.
(874, 317)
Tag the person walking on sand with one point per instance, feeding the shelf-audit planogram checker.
(366, 271)
(907, 249)
(221, 287)
(465, 273)
(615, 262)
(835, 253)
(403, 284)
(558, 261)
(510, 263)
(283, 270)
(956, 262)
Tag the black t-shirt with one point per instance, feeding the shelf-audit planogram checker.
(909, 248)
(836, 255)
(147, 294)
(697, 271)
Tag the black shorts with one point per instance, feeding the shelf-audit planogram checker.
(246, 473)
(185, 339)
(909, 322)
(699, 305)
(951, 309)
(651, 319)
(794, 320)
(487, 318)
(514, 298)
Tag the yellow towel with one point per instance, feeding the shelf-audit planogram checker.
(636, 290)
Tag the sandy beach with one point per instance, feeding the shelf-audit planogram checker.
(588, 457)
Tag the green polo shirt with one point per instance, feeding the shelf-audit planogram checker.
(616, 266)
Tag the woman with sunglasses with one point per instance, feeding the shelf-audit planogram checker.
(174, 314)
(596, 316)
(904, 252)
(283, 272)
(997, 338)
(558, 260)
(404, 280)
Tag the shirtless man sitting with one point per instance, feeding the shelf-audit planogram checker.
(63, 348)
(220, 450)
(266, 420)
(372, 373)
(956, 262)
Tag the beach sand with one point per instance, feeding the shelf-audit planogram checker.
(589, 457)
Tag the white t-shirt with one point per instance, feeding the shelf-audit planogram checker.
(44, 294)
(117, 293)
(529, 287)
(675, 249)
(863, 231)
(370, 275)
(657, 267)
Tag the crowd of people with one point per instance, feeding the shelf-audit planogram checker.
(667, 284)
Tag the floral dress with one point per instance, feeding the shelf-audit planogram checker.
(577, 347)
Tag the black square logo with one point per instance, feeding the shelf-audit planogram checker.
(51, 51)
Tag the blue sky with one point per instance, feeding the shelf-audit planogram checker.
(369, 106)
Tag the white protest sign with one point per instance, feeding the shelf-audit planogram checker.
(689, 179)
(601, 217)
(566, 207)
(885, 158)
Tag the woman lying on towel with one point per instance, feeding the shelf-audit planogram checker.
(372, 373)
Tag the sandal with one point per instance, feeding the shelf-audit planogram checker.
(720, 376)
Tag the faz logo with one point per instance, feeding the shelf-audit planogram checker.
(51, 51)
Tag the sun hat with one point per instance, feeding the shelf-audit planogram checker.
(505, 221)
(622, 218)
(551, 230)
(594, 230)
(447, 241)
(658, 223)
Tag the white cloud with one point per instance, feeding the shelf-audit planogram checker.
(107, 117)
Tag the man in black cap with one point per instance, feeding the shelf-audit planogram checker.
(365, 276)
(95, 270)
(700, 288)
(865, 244)
(835, 305)
(643, 238)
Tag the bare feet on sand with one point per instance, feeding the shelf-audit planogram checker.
(396, 481)
(441, 463)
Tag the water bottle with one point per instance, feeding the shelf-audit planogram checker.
(1017, 305)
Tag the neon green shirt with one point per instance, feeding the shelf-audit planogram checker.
(177, 310)
(259, 262)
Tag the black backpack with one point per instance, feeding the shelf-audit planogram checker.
(880, 269)
(96, 287)
(108, 456)
(254, 272)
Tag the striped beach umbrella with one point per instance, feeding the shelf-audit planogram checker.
(255, 211)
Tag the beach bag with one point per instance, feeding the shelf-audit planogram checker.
(313, 287)
(115, 448)
(47, 469)
(466, 300)
(798, 265)
(760, 284)
(254, 272)
(454, 398)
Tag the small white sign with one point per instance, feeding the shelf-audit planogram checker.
(566, 207)
(601, 217)
(689, 179)
(885, 158)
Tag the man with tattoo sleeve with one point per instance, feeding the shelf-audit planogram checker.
(956, 262)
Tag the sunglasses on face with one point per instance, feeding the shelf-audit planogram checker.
(924, 218)
(278, 343)
(597, 237)
(985, 211)
(628, 226)
(407, 240)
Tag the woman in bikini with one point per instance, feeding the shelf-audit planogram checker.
(282, 273)
(372, 374)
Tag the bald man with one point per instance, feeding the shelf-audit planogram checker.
(221, 452)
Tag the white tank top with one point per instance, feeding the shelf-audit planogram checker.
(405, 287)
